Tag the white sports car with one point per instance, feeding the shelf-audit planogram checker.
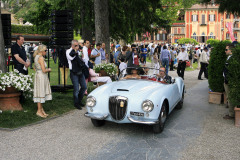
(144, 101)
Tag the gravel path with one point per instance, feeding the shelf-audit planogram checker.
(195, 132)
(220, 140)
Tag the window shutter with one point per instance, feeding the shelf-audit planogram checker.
(192, 17)
(214, 17)
(197, 17)
(209, 18)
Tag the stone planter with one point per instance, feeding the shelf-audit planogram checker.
(237, 116)
(103, 73)
(9, 99)
(215, 97)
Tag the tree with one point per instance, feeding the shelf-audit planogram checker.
(102, 23)
(3, 65)
(126, 18)
(230, 6)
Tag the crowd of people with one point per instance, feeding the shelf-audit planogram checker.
(82, 56)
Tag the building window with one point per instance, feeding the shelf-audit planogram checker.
(211, 36)
(164, 38)
(182, 30)
(203, 19)
(235, 36)
(194, 36)
(235, 25)
(194, 18)
(227, 16)
(152, 36)
(158, 37)
(212, 17)
(227, 36)
(175, 30)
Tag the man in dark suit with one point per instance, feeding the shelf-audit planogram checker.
(130, 57)
(228, 51)
(163, 77)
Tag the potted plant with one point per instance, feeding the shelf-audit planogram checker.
(11, 83)
(109, 69)
(215, 72)
(234, 82)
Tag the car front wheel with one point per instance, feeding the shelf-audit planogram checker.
(158, 128)
(97, 123)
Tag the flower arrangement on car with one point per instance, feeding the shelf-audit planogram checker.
(18, 81)
(110, 69)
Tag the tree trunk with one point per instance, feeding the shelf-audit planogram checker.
(3, 65)
(102, 23)
(86, 29)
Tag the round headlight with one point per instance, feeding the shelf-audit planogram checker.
(147, 106)
(91, 102)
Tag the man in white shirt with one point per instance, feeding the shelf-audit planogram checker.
(86, 45)
(76, 65)
(198, 54)
(95, 54)
(182, 58)
(204, 62)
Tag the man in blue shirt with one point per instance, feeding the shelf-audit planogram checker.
(96, 55)
(164, 57)
(144, 53)
(103, 54)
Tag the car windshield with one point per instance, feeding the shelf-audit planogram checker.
(147, 73)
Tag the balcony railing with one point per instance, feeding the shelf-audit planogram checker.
(236, 19)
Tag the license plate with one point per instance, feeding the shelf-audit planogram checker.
(137, 114)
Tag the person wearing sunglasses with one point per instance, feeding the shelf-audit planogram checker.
(76, 66)
(41, 90)
(228, 52)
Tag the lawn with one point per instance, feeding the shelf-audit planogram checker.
(61, 103)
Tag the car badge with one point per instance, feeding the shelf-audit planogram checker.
(121, 104)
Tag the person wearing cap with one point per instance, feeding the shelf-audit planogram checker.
(182, 58)
(204, 62)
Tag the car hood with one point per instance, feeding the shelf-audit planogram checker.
(135, 86)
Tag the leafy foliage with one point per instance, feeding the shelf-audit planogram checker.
(212, 42)
(234, 77)
(126, 18)
(216, 66)
(26, 29)
(187, 40)
(230, 6)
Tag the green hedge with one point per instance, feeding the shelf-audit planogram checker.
(26, 29)
(212, 42)
(234, 77)
(187, 40)
(216, 66)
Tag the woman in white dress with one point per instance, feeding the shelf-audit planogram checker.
(42, 90)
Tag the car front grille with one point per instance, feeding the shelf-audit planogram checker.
(118, 107)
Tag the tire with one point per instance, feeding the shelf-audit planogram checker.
(98, 123)
(180, 103)
(158, 128)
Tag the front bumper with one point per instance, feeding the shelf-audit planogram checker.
(142, 120)
(96, 116)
